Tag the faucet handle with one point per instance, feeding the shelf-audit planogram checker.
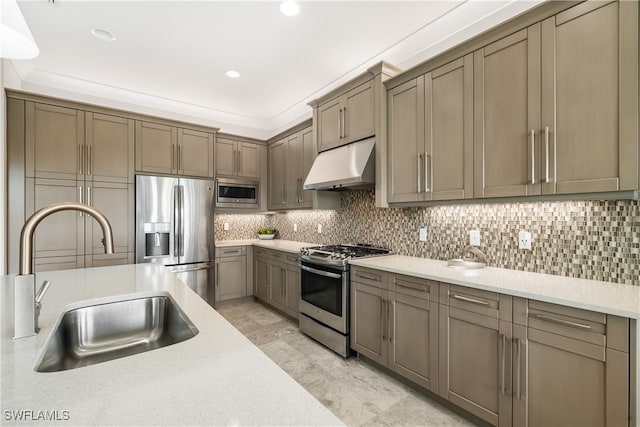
(43, 290)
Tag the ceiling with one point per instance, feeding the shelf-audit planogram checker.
(169, 57)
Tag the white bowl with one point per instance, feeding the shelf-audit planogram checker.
(266, 236)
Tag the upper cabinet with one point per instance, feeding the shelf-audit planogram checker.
(290, 160)
(588, 134)
(237, 158)
(347, 118)
(430, 146)
(546, 104)
(171, 150)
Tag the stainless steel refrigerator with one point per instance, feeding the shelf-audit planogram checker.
(174, 227)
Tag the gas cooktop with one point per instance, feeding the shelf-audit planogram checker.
(340, 254)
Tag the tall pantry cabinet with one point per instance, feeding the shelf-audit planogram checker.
(60, 153)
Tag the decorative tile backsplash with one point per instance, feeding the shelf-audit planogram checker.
(588, 239)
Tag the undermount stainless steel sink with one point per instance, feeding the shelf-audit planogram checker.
(98, 333)
(465, 264)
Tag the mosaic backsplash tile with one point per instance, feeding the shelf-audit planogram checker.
(597, 240)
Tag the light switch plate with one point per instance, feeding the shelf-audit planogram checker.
(295, 228)
(319, 228)
(225, 226)
(423, 234)
(524, 240)
(474, 237)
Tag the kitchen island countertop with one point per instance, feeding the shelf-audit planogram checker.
(216, 378)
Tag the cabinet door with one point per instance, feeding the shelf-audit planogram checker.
(507, 116)
(277, 283)
(586, 109)
(357, 114)
(262, 279)
(308, 155)
(330, 125)
(156, 147)
(230, 278)
(249, 160)
(370, 332)
(110, 148)
(294, 170)
(278, 175)
(413, 338)
(195, 153)
(449, 131)
(226, 157)
(116, 202)
(54, 138)
(59, 237)
(475, 364)
(292, 291)
(406, 129)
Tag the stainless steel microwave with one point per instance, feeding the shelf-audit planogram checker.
(237, 193)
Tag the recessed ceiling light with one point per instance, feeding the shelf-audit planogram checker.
(103, 34)
(232, 74)
(289, 8)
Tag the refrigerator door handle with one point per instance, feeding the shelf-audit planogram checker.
(176, 221)
(182, 220)
(188, 268)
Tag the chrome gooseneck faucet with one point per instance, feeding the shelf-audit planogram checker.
(26, 302)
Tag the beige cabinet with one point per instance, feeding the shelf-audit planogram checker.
(277, 279)
(237, 158)
(231, 273)
(588, 132)
(395, 323)
(430, 124)
(347, 118)
(171, 150)
(278, 162)
(570, 366)
(475, 352)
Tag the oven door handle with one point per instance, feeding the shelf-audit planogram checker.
(321, 272)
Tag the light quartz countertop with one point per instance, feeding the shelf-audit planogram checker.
(217, 377)
(277, 244)
(611, 298)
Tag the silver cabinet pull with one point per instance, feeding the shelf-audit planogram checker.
(413, 287)
(419, 158)
(80, 158)
(382, 319)
(519, 367)
(89, 195)
(239, 162)
(427, 157)
(80, 197)
(368, 276)
(89, 160)
(533, 156)
(173, 149)
(471, 300)
(389, 321)
(284, 193)
(546, 155)
(217, 275)
(562, 321)
(179, 156)
(344, 122)
(235, 251)
(503, 387)
(340, 123)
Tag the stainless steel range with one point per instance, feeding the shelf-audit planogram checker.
(325, 292)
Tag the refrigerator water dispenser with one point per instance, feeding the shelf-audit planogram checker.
(156, 239)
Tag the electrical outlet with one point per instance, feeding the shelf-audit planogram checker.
(319, 228)
(524, 240)
(295, 228)
(225, 226)
(423, 234)
(474, 237)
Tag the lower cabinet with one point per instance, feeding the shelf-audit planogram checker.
(277, 280)
(507, 360)
(395, 323)
(231, 273)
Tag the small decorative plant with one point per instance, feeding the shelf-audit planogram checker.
(267, 230)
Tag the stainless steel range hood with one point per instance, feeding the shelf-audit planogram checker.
(349, 166)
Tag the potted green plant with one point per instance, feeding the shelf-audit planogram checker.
(267, 233)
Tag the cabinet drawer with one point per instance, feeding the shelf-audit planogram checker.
(260, 252)
(291, 259)
(369, 276)
(415, 287)
(474, 300)
(227, 251)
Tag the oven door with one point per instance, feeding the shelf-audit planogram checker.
(324, 295)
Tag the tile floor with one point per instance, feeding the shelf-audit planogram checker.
(356, 392)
